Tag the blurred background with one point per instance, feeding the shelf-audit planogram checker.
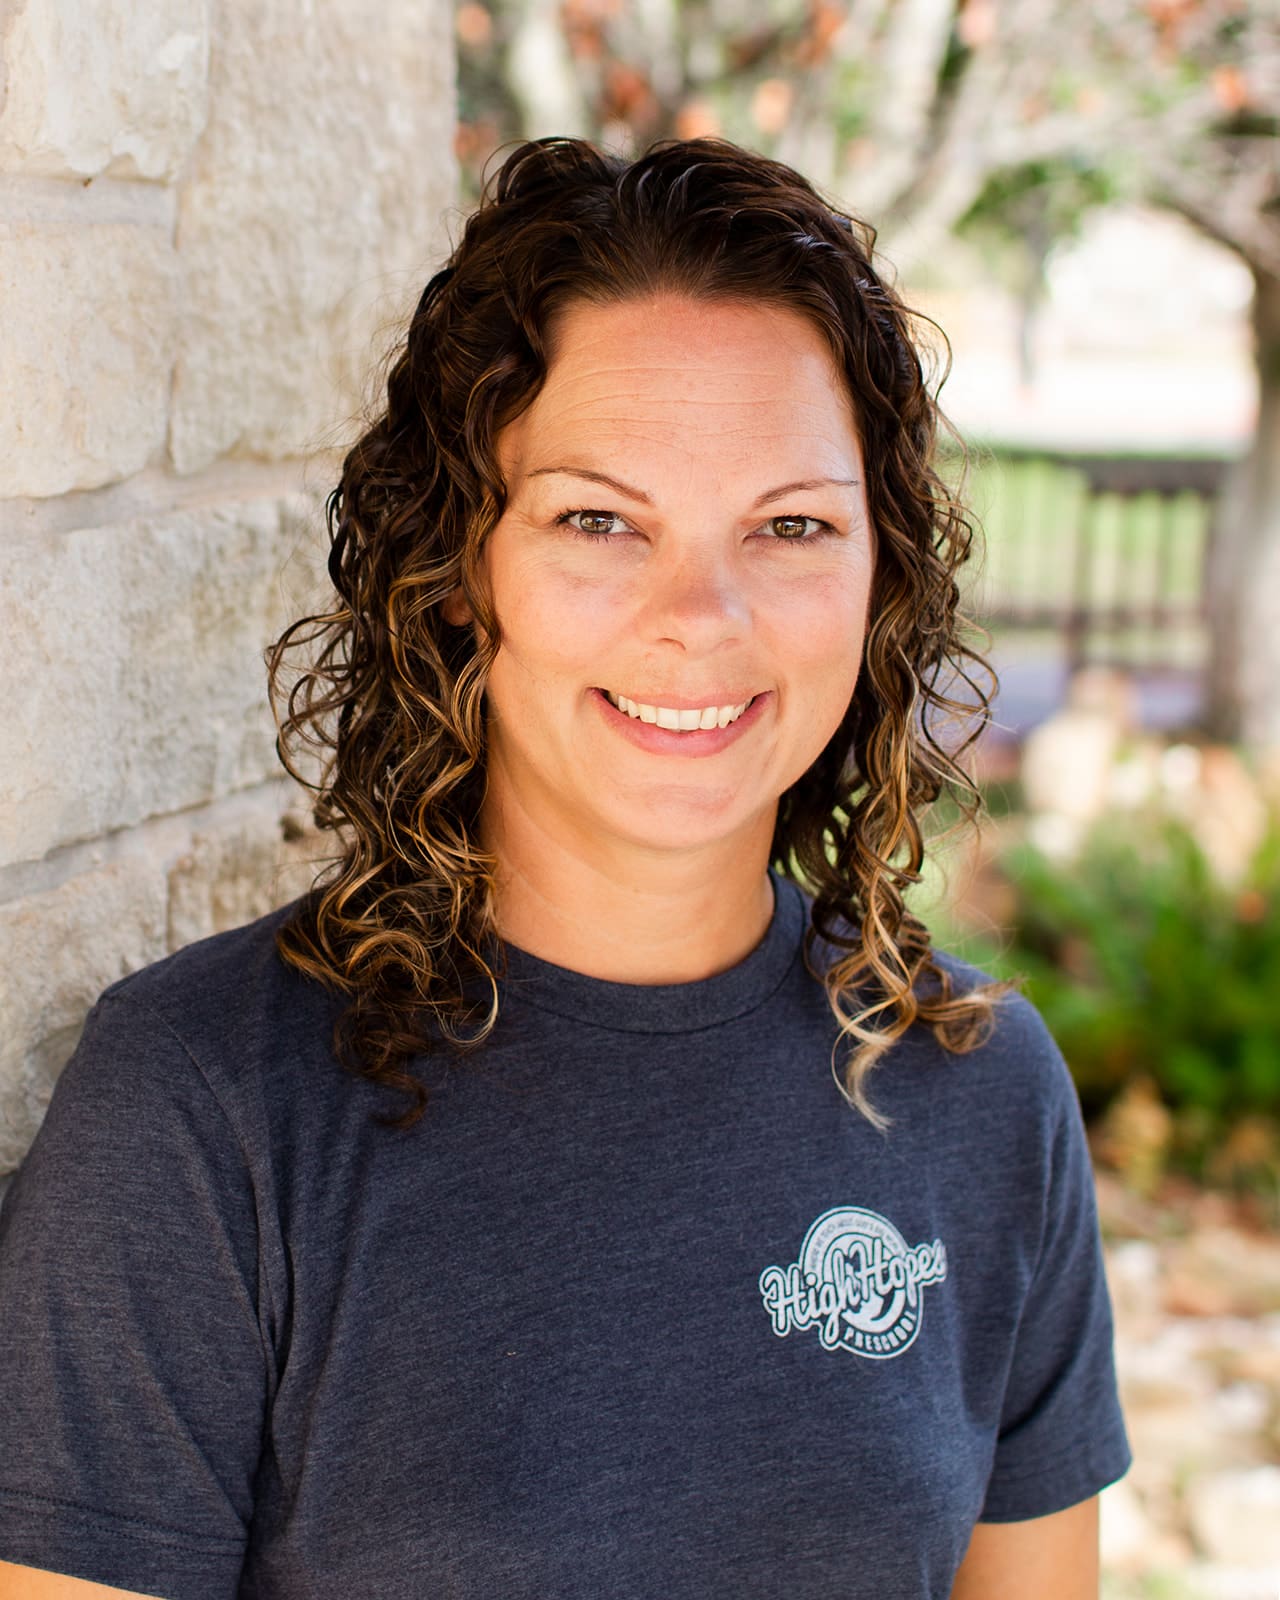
(1086, 199)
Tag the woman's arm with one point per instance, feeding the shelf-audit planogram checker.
(1046, 1558)
(30, 1583)
(133, 1364)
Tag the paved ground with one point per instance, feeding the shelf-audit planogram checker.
(1195, 1280)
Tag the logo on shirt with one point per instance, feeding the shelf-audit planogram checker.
(857, 1282)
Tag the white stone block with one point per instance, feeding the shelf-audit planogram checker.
(1125, 1528)
(140, 644)
(235, 873)
(310, 217)
(86, 341)
(58, 951)
(111, 88)
(1235, 1516)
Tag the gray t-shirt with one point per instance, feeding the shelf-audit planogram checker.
(641, 1308)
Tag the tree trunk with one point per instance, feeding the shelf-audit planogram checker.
(1242, 587)
(540, 74)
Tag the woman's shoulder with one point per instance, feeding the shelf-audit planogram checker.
(216, 967)
(200, 1062)
(227, 1002)
(1015, 1073)
(1016, 1023)
(1013, 1076)
(1017, 1034)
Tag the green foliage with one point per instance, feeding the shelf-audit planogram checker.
(1144, 965)
(1039, 202)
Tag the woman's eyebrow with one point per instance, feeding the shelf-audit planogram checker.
(593, 477)
(638, 494)
(798, 486)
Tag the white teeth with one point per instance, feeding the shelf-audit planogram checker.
(679, 721)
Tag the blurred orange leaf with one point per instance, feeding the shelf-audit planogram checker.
(473, 24)
(771, 104)
(473, 139)
(1251, 906)
(976, 24)
(697, 119)
(627, 95)
(1230, 88)
(586, 12)
(1090, 100)
(825, 21)
(1170, 18)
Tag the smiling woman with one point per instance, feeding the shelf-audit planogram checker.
(597, 1185)
(684, 628)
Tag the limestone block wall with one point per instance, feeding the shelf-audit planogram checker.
(214, 215)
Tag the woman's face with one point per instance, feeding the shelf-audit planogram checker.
(686, 540)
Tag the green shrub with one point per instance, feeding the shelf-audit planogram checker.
(1143, 965)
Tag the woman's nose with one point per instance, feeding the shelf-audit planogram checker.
(698, 600)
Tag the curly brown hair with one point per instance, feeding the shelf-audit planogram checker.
(392, 693)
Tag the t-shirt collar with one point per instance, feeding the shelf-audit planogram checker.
(667, 1007)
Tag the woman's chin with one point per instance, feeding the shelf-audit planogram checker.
(687, 824)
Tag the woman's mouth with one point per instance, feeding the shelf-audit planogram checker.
(675, 719)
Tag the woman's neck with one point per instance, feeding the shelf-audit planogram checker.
(624, 914)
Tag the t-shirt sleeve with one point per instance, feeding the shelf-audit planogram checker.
(1061, 1437)
(133, 1371)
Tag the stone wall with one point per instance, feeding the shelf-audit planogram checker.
(213, 216)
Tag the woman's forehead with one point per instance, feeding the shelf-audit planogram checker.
(667, 327)
(674, 371)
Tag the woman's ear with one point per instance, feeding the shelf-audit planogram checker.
(456, 609)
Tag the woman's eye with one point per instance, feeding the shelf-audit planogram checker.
(796, 528)
(595, 524)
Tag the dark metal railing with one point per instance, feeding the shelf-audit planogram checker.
(1106, 552)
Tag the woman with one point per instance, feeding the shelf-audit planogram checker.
(673, 1231)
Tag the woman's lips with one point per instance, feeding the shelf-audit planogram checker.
(667, 741)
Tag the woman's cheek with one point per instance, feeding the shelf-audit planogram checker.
(822, 608)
